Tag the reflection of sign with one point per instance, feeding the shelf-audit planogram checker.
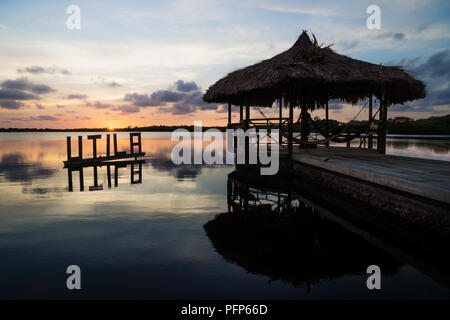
(135, 173)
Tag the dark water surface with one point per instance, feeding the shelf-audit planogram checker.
(148, 240)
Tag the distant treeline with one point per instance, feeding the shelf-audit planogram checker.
(127, 129)
(432, 125)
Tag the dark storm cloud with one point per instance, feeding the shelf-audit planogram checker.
(40, 70)
(25, 85)
(435, 72)
(438, 65)
(186, 97)
(76, 96)
(182, 86)
(11, 104)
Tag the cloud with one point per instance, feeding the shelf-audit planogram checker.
(59, 106)
(391, 36)
(347, 45)
(39, 106)
(76, 96)
(182, 86)
(98, 105)
(40, 70)
(25, 85)
(9, 94)
(71, 111)
(11, 104)
(186, 97)
(111, 84)
(82, 118)
(126, 109)
(335, 106)
(44, 117)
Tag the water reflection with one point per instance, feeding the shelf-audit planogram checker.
(15, 169)
(277, 232)
(135, 173)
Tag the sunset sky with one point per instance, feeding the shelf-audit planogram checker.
(149, 62)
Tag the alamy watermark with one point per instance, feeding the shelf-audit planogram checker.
(74, 20)
(374, 20)
(262, 147)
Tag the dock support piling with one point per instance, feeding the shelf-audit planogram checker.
(108, 145)
(80, 147)
(94, 143)
(69, 149)
(229, 113)
(280, 136)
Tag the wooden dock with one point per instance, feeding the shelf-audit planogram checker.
(421, 177)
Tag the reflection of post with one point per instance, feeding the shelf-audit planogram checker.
(108, 170)
(81, 179)
(116, 176)
(138, 172)
(95, 186)
(229, 196)
(69, 173)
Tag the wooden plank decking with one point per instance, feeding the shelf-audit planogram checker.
(426, 178)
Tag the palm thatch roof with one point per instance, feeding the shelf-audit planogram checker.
(311, 74)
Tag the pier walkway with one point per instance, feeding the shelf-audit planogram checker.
(426, 178)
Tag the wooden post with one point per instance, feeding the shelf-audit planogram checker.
(116, 175)
(69, 149)
(108, 145)
(229, 113)
(280, 136)
(247, 138)
(115, 143)
(291, 129)
(384, 106)
(80, 147)
(241, 113)
(327, 143)
(304, 123)
(94, 143)
(370, 145)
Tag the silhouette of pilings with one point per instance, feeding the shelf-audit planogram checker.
(135, 142)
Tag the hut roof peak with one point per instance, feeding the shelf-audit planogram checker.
(303, 41)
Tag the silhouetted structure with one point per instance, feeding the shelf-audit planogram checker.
(308, 75)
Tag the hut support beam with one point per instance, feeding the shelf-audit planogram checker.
(304, 124)
(241, 114)
(291, 128)
(381, 143)
(229, 113)
(370, 143)
(327, 143)
(280, 136)
(247, 139)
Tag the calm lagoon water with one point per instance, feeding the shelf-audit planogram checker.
(147, 240)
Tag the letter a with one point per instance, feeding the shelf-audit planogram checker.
(74, 280)
(74, 20)
(374, 281)
(374, 20)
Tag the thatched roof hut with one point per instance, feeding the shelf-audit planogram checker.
(311, 74)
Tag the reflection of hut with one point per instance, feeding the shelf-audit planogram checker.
(300, 248)
(308, 75)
